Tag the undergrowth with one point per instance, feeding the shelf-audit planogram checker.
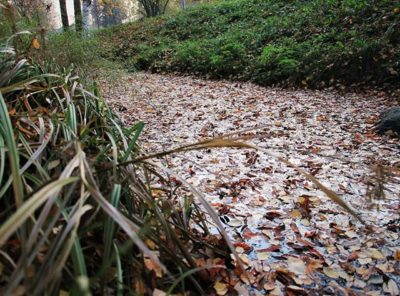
(303, 43)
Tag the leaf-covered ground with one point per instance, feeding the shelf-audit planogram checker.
(291, 237)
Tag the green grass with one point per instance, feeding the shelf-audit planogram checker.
(304, 43)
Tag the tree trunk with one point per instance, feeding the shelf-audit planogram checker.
(64, 15)
(95, 13)
(78, 15)
(86, 14)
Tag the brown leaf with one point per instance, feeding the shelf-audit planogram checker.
(35, 43)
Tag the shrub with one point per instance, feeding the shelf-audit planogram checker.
(192, 56)
(308, 43)
(227, 57)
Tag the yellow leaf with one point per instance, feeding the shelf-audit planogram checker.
(332, 273)
(220, 288)
(151, 265)
(375, 254)
(36, 43)
(295, 214)
(263, 256)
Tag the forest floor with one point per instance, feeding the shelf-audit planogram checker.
(290, 236)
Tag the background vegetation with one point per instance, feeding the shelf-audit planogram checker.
(305, 43)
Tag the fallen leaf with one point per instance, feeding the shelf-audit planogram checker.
(151, 265)
(221, 288)
(35, 43)
(331, 272)
(296, 265)
(235, 222)
(375, 254)
(158, 292)
(295, 214)
(397, 255)
(391, 288)
(263, 256)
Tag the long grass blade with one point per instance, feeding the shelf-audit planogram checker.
(30, 206)
(9, 137)
(120, 287)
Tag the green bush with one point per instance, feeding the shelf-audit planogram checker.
(310, 43)
(228, 57)
(192, 56)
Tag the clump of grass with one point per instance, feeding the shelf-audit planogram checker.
(73, 218)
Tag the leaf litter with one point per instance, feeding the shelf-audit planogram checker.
(291, 238)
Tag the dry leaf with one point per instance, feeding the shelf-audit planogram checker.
(396, 255)
(158, 292)
(235, 222)
(296, 265)
(263, 256)
(221, 288)
(151, 265)
(330, 272)
(391, 288)
(35, 43)
(375, 254)
(295, 214)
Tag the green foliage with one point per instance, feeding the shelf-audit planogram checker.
(71, 48)
(310, 43)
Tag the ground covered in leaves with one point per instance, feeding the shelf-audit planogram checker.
(292, 239)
